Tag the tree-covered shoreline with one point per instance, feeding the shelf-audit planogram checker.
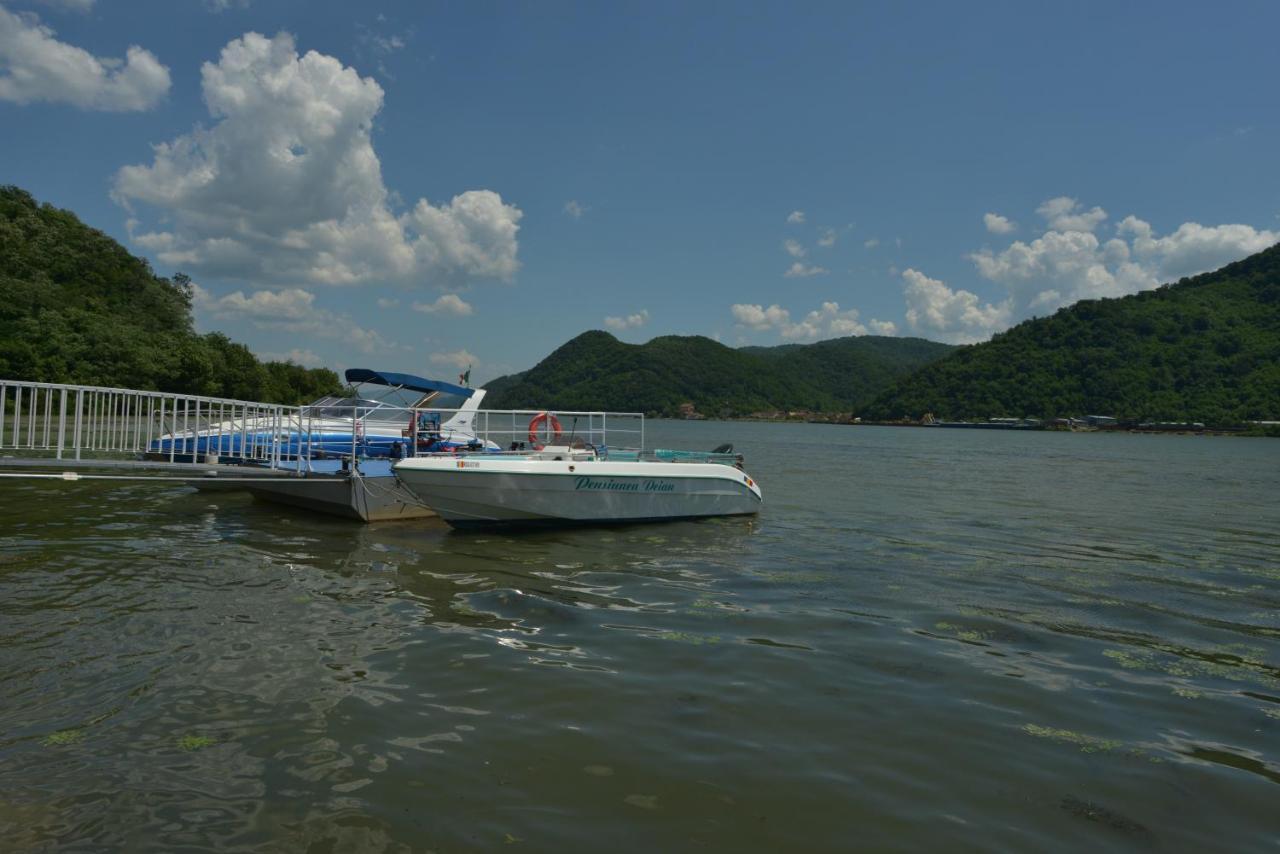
(77, 307)
(1204, 349)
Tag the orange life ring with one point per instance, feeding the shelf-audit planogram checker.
(537, 422)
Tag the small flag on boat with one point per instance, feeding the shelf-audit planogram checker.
(465, 377)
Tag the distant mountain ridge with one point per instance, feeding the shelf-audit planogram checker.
(597, 371)
(1204, 349)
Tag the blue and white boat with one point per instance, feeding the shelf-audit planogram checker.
(388, 415)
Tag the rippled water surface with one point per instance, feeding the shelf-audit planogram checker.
(929, 639)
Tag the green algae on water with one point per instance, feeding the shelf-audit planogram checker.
(1086, 743)
(192, 742)
(63, 737)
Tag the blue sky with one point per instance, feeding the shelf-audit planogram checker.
(419, 186)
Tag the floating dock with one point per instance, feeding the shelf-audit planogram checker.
(281, 454)
(370, 492)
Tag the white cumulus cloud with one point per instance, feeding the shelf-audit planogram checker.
(794, 248)
(285, 186)
(630, 321)
(828, 238)
(35, 66)
(1063, 266)
(938, 311)
(291, 310)
(800, 270)
(1071, 261)
(997, 224)
(283, 307)
(759, 317)
(1066, 214)
(574, 208)
(795, 217)
(445, 304)
(1193, 248)
(829, 321)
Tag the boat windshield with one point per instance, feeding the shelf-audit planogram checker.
(387, 406)
(389, 395)
(440, 400)
(342, 407)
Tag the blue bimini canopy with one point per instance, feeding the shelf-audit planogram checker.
(409, 381)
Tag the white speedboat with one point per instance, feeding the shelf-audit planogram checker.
(560, 485)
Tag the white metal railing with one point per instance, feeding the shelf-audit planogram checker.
(94, 422)
(525, 429)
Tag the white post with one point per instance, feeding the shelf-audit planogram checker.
(62, 420)
(258, 418)
(126, 410)
(31, 417)
(79, 418)
(160, 429)
(275, 438)
(48, 414)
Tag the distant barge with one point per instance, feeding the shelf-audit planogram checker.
(991, 424)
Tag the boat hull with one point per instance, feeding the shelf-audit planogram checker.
(348, 497)
(471, 492)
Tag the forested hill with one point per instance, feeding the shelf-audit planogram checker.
(1205, 349)
(76, 307)
(597, 371)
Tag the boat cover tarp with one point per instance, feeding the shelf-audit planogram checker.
(409, 381)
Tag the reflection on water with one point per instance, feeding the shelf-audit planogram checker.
(1022, 641)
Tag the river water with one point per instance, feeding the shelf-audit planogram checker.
(929, 639)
